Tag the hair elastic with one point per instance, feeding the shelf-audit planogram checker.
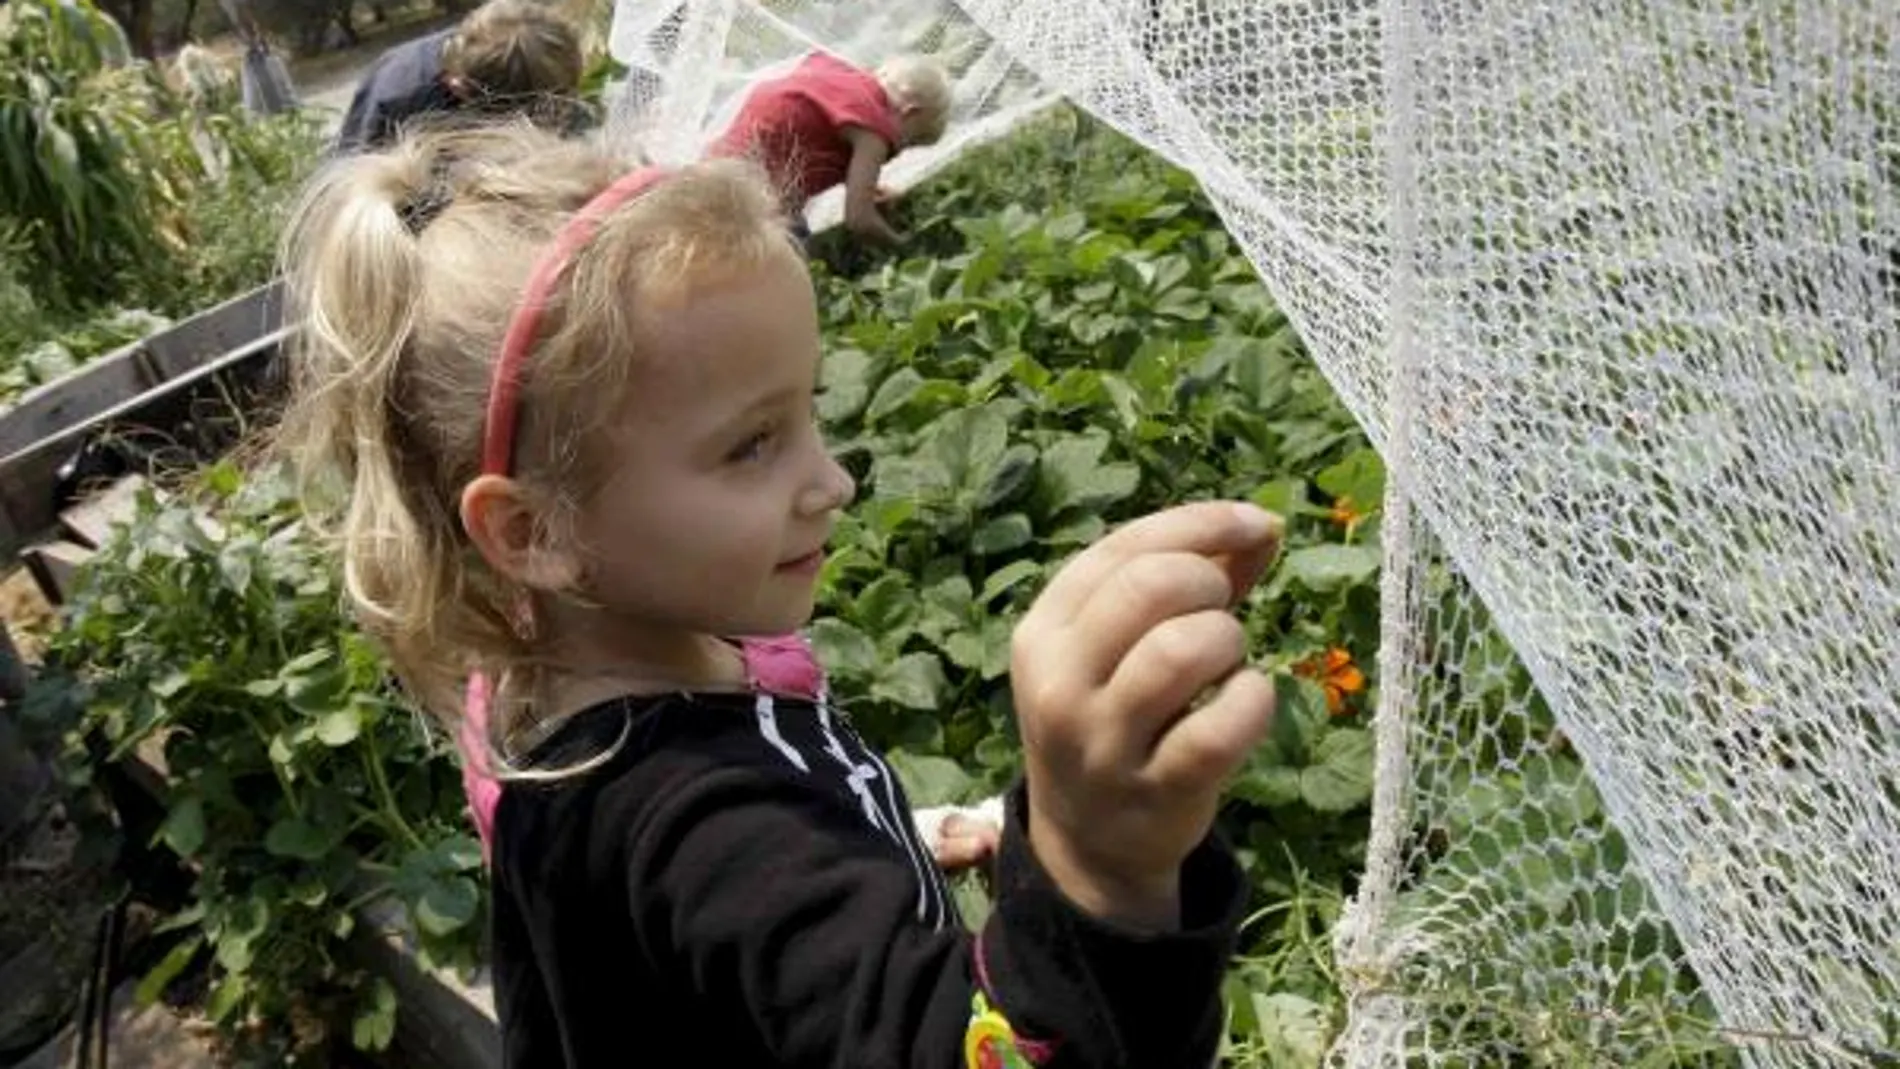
(504, 389)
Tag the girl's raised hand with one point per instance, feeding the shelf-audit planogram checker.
(1124, 768)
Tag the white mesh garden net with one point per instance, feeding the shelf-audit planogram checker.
(1614, 285)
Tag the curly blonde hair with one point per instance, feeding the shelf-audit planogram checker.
(404, 268)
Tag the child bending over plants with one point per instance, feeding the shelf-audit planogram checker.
(829, 122)
(507, 58)
(571, 408)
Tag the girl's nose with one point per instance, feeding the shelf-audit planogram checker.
(833, 488)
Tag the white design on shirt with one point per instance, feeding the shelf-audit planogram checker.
(767, 712)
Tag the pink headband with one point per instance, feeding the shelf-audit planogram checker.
(498, 433)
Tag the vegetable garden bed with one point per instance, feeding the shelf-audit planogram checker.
(1053, 354)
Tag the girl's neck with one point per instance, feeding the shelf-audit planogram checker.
(612, 658)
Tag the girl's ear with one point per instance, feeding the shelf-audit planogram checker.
(505, 527)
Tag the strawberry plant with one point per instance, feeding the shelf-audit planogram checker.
(299, 788)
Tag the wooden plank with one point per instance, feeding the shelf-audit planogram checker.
(133, 369)
(53, 566)
(90, 522)
(208, 335)
(49, 409)
(28, 477)
(443, 1023)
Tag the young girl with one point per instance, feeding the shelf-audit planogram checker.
(562, 415)
(828, 122)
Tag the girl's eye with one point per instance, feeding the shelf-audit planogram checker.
(753, 448)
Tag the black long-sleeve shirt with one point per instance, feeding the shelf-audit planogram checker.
(740, 884)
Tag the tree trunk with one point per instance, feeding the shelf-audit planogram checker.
(138, 27)
(184, 24)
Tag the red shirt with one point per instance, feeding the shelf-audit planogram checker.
(794, 124)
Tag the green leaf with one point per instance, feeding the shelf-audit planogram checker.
(153, 984)
(297, 838)
(915, 681)
(1073, 475)
(1267, 785)
(1079, 531)
(1341, 778)
(304, 662)
(983, 269)
(1300, 717)
(1003, 534)
(1002, 580)
(340, 727)
(964, 649)
(1328, 567)
(1185, 305)
(841, 648)
(184, 827)
(930, 780)
(969, 443)
(447, 905)
(910, 478)
(1360, 477)
(845, 384)
(227, 996)
(318, 691)
(894, 393)
(1284, 497)
(171, 684)
(887, 608)
(460, 853)
(374, 1026)
(1008, 476)
(235, 562)
(973, 902)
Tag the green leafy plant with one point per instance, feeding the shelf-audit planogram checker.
(300, 788)
(115, 195)
(84, 159)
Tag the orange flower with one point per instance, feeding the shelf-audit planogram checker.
(1344, 512)
(1336, 673)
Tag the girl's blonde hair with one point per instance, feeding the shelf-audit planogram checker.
(920, 82)
(404, 268)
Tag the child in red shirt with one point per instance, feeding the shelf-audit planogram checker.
(829, 122)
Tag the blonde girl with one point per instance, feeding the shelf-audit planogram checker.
(558, 413)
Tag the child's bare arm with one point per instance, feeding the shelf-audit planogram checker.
(861, 217)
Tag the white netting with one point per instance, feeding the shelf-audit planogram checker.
(1612, 284)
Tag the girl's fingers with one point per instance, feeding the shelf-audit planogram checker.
(1207, 528)
(1133, 601)
(1204, 747)
(962, 842)
(1164, 672)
